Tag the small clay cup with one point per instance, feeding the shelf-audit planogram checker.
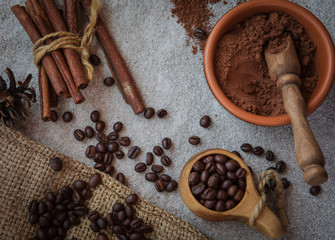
(267, 223)
(325, 59)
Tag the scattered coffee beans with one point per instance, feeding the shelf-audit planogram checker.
(100, 126)
(151, 176)
(280, 166)
(205, 121)
(166, 161)
(149, 158)
(157, 168)
(94, 60)
(95, 116)
(56, 164)
(218, 186)
(95, 180)
(199, 33)
(149, 112)
(269, 155)
(132, 199)
(258, 151)
(166, 143)
(89, 132)
(158, 151)
(194, 140)
(119, 154)
(315, 190)
(159, 185)
(133, 152)
(54, 116)
(79, 134)
(165, 177)
(140, 167)
(171, 186)
(246, 147)
(124, 141)
(161, 113)
(121, 178)
(118, 126)
(109, 81)
(67, 117)
(236, 153)
(286, 183)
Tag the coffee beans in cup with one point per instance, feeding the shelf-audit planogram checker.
(218, 182)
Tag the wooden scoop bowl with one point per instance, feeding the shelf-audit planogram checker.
(267, 223)
(284, 67)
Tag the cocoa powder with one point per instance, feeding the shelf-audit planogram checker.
(241, 69)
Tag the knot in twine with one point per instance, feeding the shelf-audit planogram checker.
(263, 178)
(71, 41)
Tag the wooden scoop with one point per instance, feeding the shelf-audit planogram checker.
(267, 223)
(284, 67)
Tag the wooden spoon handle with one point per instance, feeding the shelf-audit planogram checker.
(309, 155)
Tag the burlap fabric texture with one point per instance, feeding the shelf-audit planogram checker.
(25, 175)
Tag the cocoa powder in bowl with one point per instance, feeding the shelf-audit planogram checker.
(241, 69)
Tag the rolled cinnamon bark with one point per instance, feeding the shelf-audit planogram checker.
(47, 61)
(70, 15)
(35, 8)
(61, 63)
(53, 96)
(43, 85)
(71, 55)
(116, 64)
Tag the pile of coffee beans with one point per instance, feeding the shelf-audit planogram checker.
(58, 212)
(218, 182)
(122, 221)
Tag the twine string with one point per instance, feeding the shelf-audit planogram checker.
(71, 41)
(263, 178)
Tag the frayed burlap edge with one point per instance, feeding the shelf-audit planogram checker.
(25, 175)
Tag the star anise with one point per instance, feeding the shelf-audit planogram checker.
(15, 100)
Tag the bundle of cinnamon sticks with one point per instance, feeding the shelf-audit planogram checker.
(61, 72)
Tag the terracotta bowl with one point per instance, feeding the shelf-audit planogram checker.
(315, 29)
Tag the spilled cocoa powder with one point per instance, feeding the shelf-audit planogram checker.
(241, 69)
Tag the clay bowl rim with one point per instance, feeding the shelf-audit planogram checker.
(262, 6)
(228, 215)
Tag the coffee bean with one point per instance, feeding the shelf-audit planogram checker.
(280, 166)
(94, 60)
(315, 190)
(149, 112)
(109, 169)
(241, 173)
(205, 121)
(132, 199)
(54, 116)
(66, 191)
(118, 126)
(100, 166)
(56, 164)
(161, 113)
(151, 176)
(208, 159)
(89, 132)
(43, 222)
(286, 183)
(86, 194)
(121, 178)
(213, 180)
(124, 141)
(258, 151)
(194, 140)
(80, 210)
(209, 194)
(117, 229)
(219, 158)
(229, 204)
(157, 168)
(220, 169)
(95, 227)
(101, 147)
(149, 158)
(166, 143)
(198, 189)
(67, 116)
(119, 154)
(193, 178)
(33, 218)
(117, 207)
(101, 137)
(33, 207)
(100, 126)
(204, 176)
(166, 161)
(239, 195)
(113, 147)
(159, 185)
(198, 166)
(80, 184)
(220, 206)
(241, 183)
(171, 186)
(199, 33)
(121, 215)
(145, 229)
(135, 236)
(93, 216)
(109, 81)
(108, 159)
(102, 223)
(269, 155)
(133, 152)
(226, 184)
(95, 180)
(246, 147)
(136, 223)
(222, 195)
(67, 223)
(79, 134)
(111, 219)
(41, 234)
(236, 153)
(158, 151)
(59, 198)
(210, 167)
(95, 116)
(231, 165)
(165, 177)
(140, 167)
(102, 236)
(98, 157)
(210, 203)
(50, 197)
(231, 176)
(113, 136)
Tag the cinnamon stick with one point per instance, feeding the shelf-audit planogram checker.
(61, 63)
(70, 15)
(53, 96)
(43, 85)
(35, 8)
(71, 55)
(116, 64)
(47, 61)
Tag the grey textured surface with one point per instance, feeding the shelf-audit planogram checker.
(169, 76)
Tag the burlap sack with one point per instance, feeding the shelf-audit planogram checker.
(25, 174)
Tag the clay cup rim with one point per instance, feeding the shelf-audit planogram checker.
(325, 57)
